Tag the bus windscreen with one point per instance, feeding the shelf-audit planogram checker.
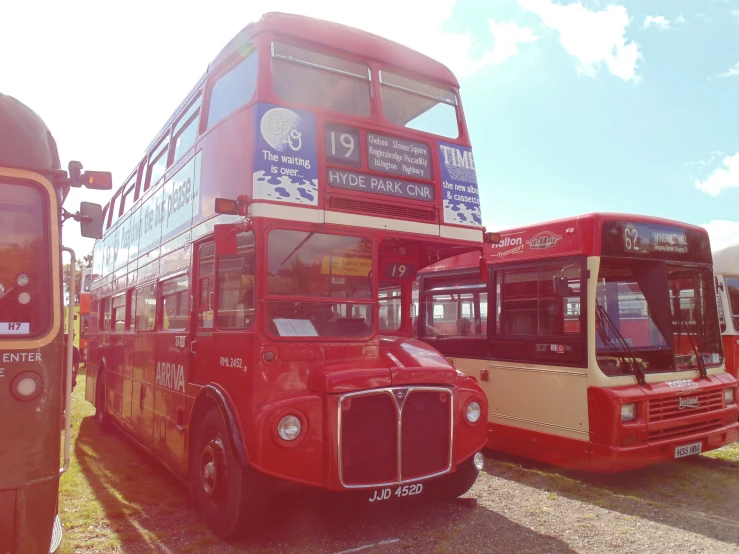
(659, 313)
(24, 274)
(336, 270)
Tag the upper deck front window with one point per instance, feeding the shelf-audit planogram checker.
(418, 105)
(306, 77)
(25, 303)
(333, 271)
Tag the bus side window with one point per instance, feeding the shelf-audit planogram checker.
(186, 129)
(206, 282)
(175, 303)
(236, 285)
(105, 314)
(390, 306)
(119, 313)
(233, 89)
(146, 307)
(131, 311)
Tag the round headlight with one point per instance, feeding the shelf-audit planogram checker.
(289, 428)
(473, 412)
(21, 280)
(24, 298)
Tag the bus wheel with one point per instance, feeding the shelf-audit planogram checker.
(455, 484)
(101, 410)
(227, 493)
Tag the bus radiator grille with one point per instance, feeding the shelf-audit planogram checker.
(426, 433)
(369, 439)
(668, 407)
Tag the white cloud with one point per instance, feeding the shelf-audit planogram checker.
(733, 72)
(592, 37)
(507, 37)
(659, 21)
(722, 178)
(680, 19)
(723, 233)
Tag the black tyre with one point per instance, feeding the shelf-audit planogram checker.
(101, 409)
(229, 495)
(455, 484)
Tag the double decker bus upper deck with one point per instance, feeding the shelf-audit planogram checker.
(251, 297)
(596, 339)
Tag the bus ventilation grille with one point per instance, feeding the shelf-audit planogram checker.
(378, 208)
(683, 430)
(426, 438)
(368, 430)
(668, 407)
(369, 439)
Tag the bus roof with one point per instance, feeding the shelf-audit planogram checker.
(25, 140)
(358, 42)
(726, 260)
(579, 235)
(328, 34)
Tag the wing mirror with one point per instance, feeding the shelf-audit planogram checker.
(91, 220)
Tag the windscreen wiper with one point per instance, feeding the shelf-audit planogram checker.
(694, 345)
(298, 247)
(636, 368)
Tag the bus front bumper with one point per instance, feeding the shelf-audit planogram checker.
(606, 458)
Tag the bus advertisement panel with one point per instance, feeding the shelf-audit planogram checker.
(34, 391)
(726, 269)
(251, 298)
(595, 338)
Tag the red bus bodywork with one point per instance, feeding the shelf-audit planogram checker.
(554, 403)
(160, 385)
(726, 268)
(84, 311)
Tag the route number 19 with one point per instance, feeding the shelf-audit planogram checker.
(342, 144)
(399, 271)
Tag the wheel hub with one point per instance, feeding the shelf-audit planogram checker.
(212, 465)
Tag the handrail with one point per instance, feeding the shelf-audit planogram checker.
(70, 358)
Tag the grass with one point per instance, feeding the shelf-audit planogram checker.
(112, 493)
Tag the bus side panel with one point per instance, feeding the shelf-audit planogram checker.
(731, 354)
(543, 447)
(549, 400)
(143, 377)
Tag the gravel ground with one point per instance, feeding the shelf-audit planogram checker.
(687, 506)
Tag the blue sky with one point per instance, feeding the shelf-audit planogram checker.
(572, 106)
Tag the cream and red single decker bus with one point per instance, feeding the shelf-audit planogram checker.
(596, 339)
(726, 270)
(250, 305)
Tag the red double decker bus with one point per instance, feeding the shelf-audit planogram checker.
(250, 308)
(726, 269)
(595, 338)
(34, 392)
(84, 312)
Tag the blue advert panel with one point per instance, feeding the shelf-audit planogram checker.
(285, 158)
(459, 184)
